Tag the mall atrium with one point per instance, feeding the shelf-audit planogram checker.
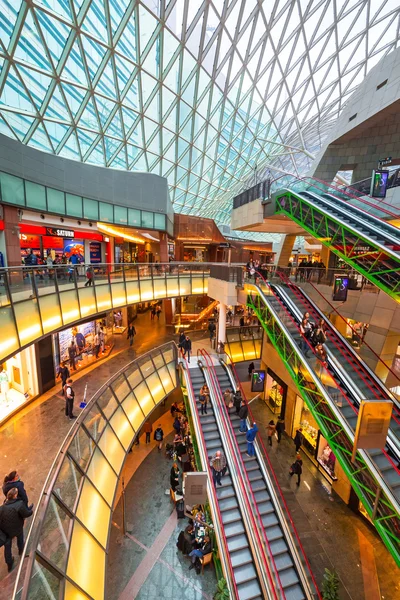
(200, 299)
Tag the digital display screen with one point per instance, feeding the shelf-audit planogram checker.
(340, 287)
(257, 381)
(379, 182)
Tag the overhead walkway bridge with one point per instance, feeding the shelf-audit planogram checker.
(355, 228)
(265, 555)
(333, 395)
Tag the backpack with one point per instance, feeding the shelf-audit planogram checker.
(158, 435)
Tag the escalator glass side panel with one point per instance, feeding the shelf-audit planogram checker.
(381, 267)
(386, 517)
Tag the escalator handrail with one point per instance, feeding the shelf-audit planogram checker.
(218, 396)
(381, 248)
(345, 425)
(354, 197)
(365, 343)
(272, 471)
(356, 364)
(210, 485)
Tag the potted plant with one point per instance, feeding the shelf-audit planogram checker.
(222, 592)
(330, 585)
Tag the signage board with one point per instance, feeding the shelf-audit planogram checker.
(55, 231)
(95, 252)
(379, 181)
(384, 161)
(340, 288)
(257, 381)
(372, 424)
(195, 488)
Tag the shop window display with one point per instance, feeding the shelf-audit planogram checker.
(18, 382)
(276, 393)
(325, 457)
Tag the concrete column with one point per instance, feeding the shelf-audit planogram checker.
(169, 310)
(285, 250)
(163, 248)
(222, 323)
(11, 236)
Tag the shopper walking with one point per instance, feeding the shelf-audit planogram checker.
(280, 428)
(12, 515)
(187, 347)
(270, 431)
(158, 312)
(218, 466)
(89, 276)
(250, 437)
(251, 369)
(297, 468)
(13, 480)
(153, 312)
(131, 334)
(147, 428)
(63, 373)
(69, 400)
(159, 436)
(243, 414)
(298, 439)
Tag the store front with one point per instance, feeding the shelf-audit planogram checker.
(61, 244)
(128, 252)
(353, 331)
(18, 382)
(314, 444)
(83, 336)
(276, 393)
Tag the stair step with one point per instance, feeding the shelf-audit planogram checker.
(231, 516)
(250, 590)
(244, 573)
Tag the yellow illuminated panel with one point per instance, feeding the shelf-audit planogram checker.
(143, 396)
(86, 563)
(132, 292)
(258, 348)
(165, 379)
(146, 290)
(112, 449)
(103, 296)
(236, 352)
(135, 378)
(184, 285)
(8, 339)
(28, 321)
(172, 286)
(122, 428)
(87, 301)
(94, 512)
(160, 289)
(102, 476)
(248, 350)
(154, 384)
(132, 409)
(51, 313)
(72, 593)
(172, 372)
(118, 294)
(69, 306)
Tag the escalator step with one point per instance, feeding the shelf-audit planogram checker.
(250, 590)
(237, 542)
(227, 504)
(245, 573)
(274, 533)
(288, 577)
(208, 427)
(241, 557)
(278, 547)
(234, 529)
(258, 485)
(294, 592)
(269, 520)
(230, 516)
(262, 496)
(283, 561)
(265, 507)
(224, 493)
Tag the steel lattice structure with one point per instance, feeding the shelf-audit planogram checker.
(202, 92)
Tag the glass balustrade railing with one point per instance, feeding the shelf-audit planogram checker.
(66, 549)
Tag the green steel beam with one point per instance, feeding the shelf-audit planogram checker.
(385, 519)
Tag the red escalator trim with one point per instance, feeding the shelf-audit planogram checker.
(347, 355)
(261, 443)
(216, 502)
(395, 408)
(322, 367)
(218, 395)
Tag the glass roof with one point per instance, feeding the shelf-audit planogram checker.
(206, 93)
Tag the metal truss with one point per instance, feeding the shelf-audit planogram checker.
(204, 92)
(379, 267)
(367, 487)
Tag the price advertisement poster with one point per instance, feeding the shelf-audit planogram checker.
(95, 252)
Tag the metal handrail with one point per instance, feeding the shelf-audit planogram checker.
(265, 454)
(345, 426)
(245, 490)
(45, 496)
(211, 491)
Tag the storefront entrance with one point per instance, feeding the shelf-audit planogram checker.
(18, 381)
(275, 394)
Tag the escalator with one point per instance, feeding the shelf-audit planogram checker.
(292, 578)
(354, 378)
(241, 555)
(374, 475)
(357, 234)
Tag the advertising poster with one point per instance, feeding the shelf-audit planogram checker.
(95, 252)
(65, 337)
(379, 183)
(75, 248)
(340, 287)
(257, 381)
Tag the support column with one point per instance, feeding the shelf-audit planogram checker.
(11, 236)
(285, 250)
(163, 248)
(169, 310)
(222, 323)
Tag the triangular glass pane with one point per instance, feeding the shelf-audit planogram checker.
(40, 140)
(106, 84)
(131, 98)
(94, 53)
(10, 12)
(19, 123)
(85, 139)
(74, 97)
(95, 21)
(127, 44)
(129, 117)
(89, 117)
(96, 157)
(37, 84)
(56, 131)
(14, 94)
(151, 63)
(54, 33)
(71, 148)
(29, 47)
(147, 26)
(170, 46)
(148, 85)
(56, 108)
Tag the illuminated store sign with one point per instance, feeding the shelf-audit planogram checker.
(67, 233)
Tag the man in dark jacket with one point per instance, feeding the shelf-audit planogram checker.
(12, 480)
(280, 428)
(237, 400)
(187, 347)
(243, 414)
(12, 515)
(63, 373)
